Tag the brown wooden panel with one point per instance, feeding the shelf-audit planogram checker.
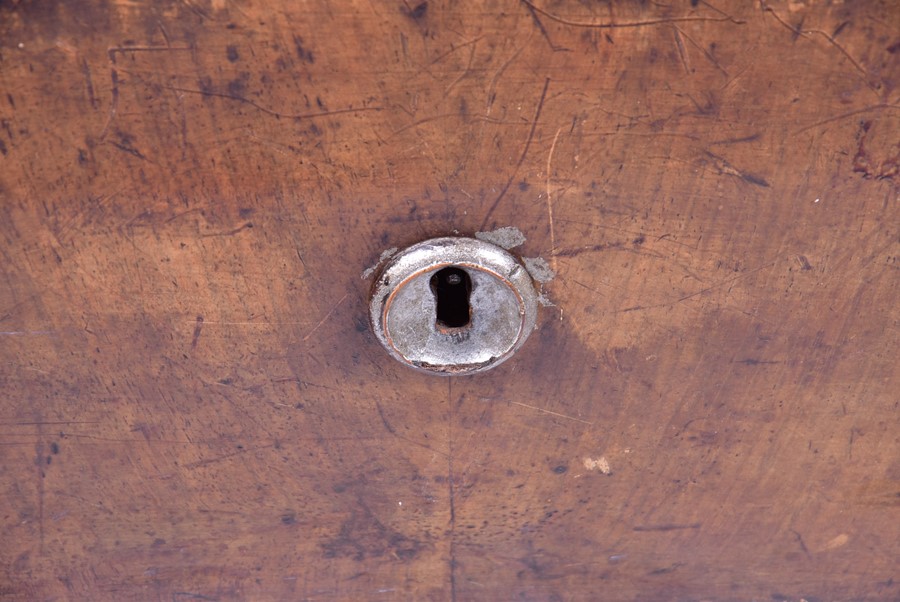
(193, 406)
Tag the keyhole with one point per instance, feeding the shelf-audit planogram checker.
(451, 287)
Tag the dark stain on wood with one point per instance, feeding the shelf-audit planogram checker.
(193, 405)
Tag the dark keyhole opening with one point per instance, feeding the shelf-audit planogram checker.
(451, 288)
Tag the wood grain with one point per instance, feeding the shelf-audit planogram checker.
(193, 407)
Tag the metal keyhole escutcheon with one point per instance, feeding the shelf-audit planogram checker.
(453, 305)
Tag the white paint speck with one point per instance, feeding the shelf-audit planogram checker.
(601, 464)
(545, 301)
(507, 237)
(539, 269)
(384, 256)
(837, 542)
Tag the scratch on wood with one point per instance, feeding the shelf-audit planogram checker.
(39, 466)
(328, 315)
(534, 122)
(492, 89)
(804, 263)
(593, 290)
(550, 202)
(645, 528)
(130, 150)
(590, 249)
(228, 233)
(165, 34)
(267, 110)
(203, 15)
(750, 138)
(390, 428)
(21, 333)
(454, 115)
(451, 491)
(828, 120)
(685, 61)
(552, 413)
(453, 49)
(88, 84)
(190, 595)
(197, 330)
(666, 570)
(752, 361)
(114, 97)
(726, 168)
(384, 420)
(853, 432)
(238, 452)
(114, 76)
(248, 323)
(302, 382)
(837, 31)
(43, 422)
(705, 52)
(465, 71)
(797, 31)
(644, 23)
(802, 544)
(700, 292)
(542, 29)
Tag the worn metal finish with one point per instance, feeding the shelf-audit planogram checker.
(503, 305)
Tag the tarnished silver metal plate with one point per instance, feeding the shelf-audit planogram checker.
(453, 305)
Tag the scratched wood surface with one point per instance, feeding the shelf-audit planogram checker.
(193, 406)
